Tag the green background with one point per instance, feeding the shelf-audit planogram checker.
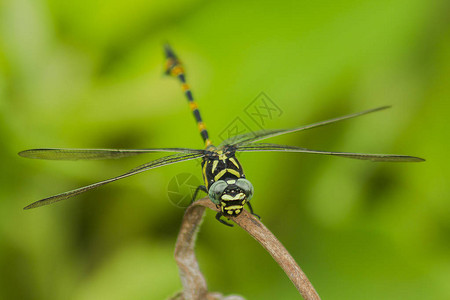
(89, 74)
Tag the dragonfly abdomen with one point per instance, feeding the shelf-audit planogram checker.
(175, 69)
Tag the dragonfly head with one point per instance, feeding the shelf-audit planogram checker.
(230, 195)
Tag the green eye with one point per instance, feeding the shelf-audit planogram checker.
(246, 186)
(216, 191)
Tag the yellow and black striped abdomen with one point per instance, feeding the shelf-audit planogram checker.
(175, 69)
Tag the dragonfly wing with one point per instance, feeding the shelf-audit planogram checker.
(240, 138)
(250, 137)
(91, 154)
(364, 156)
(167, 160)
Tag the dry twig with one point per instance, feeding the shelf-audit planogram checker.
(192, 279)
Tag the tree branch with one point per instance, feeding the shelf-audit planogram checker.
(192, 279)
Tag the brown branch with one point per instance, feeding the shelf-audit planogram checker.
(192, 279)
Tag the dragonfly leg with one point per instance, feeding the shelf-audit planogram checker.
(199, 188)
(251, 210)
(218, 218)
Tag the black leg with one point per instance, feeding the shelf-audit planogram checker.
(199, 188)
(251, 210)
(218, 215)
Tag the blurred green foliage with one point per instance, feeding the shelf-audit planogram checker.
(89, 74)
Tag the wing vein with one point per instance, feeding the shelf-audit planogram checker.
(167, 160)
(363, 156)
(250, 137)
(91, 154)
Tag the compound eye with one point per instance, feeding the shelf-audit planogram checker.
(216, 191)
(246, 186)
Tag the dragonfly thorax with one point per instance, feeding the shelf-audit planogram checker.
(225, 180)
(230, 195)
(220, 164)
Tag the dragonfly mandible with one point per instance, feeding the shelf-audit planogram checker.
(223, 176)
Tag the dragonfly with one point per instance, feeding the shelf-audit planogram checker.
(224, 180)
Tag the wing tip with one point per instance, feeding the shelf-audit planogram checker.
(35, 204)
(417, 159)
(31, 153)
(30, 206)
(405, 158)
(23, 153)
(382, 107)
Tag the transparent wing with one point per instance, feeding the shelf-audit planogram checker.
(364, 156)
(91, 154)
(265, 134)
(167, 160)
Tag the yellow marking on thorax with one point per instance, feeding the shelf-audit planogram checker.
(214, 166)
(204, 180)
(231, 171)
(222, 156)
(220, 174)
(234, 172)
(234, 162)
(204, 172)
